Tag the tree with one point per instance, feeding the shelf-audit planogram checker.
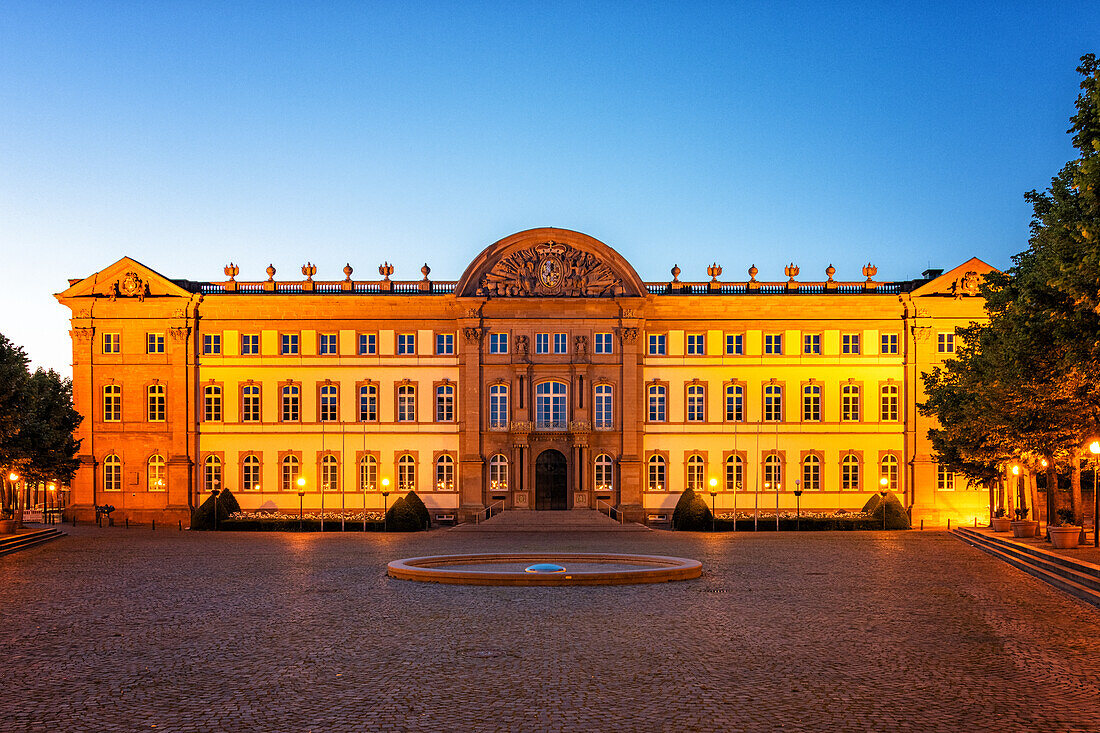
(13, 379)
(46, 439)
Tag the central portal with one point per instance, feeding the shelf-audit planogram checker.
(550, 479)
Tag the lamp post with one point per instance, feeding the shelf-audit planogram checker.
(301, 499)
(1018, 495)
(13, 477)
(756, 509)
(798, 504)
(713, 493)
(883, 483)
(1094, 448)
(51, 499)
(777, 487)
(214, 493)
(385, 505)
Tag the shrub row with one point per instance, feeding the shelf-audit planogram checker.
(291, 525)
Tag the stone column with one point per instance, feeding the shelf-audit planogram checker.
(471, 462)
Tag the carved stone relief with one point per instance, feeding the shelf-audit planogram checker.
(550, 269)
(968, 284)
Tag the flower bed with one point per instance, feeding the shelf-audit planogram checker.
(309, 522)
(807, 522)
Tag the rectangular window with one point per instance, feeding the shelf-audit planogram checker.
(811, 343)
(212, 343)
(288, 344)
(560, 343)
(326, 344)
(657, 344)
(444, 344)
(889, 403)
(112, 403)
(735, 344)
(849, 403)
(773, 343)
(498, 343)
(773, 403)
(250, 403)
(498, 407)
(154, 343)
(889, 343)
(603, 343)
(542, 343)
(406, 403)
(656, 403)
(735, 403)
(212, 403)
(445, 403)
(603, 407)
(368, 344)
(330, 403)
(368, 403)
(250, 344)
(112, 343)
(945, 479)
(811, 403)
(696, 403)
(696, 344)
(849, 343)
(292, 401)
(946, 343)
(406, 344)
(156, 403)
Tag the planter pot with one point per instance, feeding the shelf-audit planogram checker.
(7, 526)
(1064, 537)
(1024, 528)
(1002, 524)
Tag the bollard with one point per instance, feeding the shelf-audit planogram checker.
(181, 525)
(74, 519)
(975, 522)
(154, 525)
(922, 525)
(127, 520)
(949, 524)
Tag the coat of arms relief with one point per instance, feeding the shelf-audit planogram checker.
(550, 269)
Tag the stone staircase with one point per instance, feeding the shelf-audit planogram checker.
(572, 520)
(10, 543)
(1076, 577)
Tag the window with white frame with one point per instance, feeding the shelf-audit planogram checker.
(945, 478)
(112, 473)
(889, 470)
(498, 473)
(112, 403)
(406, 403)
(695, 473)
(603, 473)
(811, 473)
(498, 343)
(288, 344)
(542, 343)
(945, 343)
(212, 473)
(156, 477)
(368, 473)
(849, 343)
(330, 403)
(212, 403)
(773, 343)
(735, 473)
(289, 472)
(658, 345)
(445, 473)
(250, 344)
(368, 403)
(291, 403)
(406, 344)
(603, 412)
(773, 403)
(154, 343)
(327, 344)
(445, 344)
(849, 473)
(561, 343)
(735, 403)
(330, 473)
(657, 473)
(657, 402)
(604, 344)
(811, 403)
(406, 473)
(368, 344)
(773, 473)
(250, 403)
(811, 344)
(888, 403)
(888, 343)
(735, 344)
(212, 343)
(696, 344)
(551, 406)
(445, 403)
(498, 407)
(849, 403)
(250, 473)
(696, 403)
(156, 403)
(112, 343)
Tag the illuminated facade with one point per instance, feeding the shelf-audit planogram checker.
(549, 376)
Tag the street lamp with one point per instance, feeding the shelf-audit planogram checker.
(1019, 496)
(52, 499)
(777, 487)
(798, 504)
(214, 493)
(301, 499)
(756, 508)
(713, 493)
(1094, 448)
(883, 483)
(13, 477)
(385, 505)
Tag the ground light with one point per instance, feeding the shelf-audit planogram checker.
(883, 482)
(385, 505)
(714, 493)
(798, 504)
(301, 499)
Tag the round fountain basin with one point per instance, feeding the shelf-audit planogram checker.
(570, 568)
(544, 567)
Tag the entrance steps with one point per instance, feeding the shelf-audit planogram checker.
(570, 520)
(10, 543)
(1079, 578)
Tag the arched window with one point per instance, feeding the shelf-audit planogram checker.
(406, 403)
(498, 407)
(250, 403)
(498, 473)
(112, 473)
(155, 473)
(330, 473)
(289, 473)
(773, 403)
(406, 473)
(603, 409)
(368, 403)
(811, 473)
(735, 403)
(849, 403)
(657, 480)
(773, 473)
(695, 478)
(368, 473)
(849, 472)
(603, 473)
(888, 407)
(212, 403)
(155, 394)
(292, 398)
(657, 403)
(735, 473)
(112, 403)
(696, 403)
(212, 473)
(330, 411)
(444, 473)
(811, 403)
(551, 406)
(250, 473)
(888, 469)
(445, 403)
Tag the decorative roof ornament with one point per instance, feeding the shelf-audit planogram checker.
(791, 271)
(347, 272)
(829, 272)
(550, 269)
(385, 270)
(714, 271)
(675, 273)
(425, 270)
(752, 273)
(270, 273)
(869, 271)
(231, 271)
(309, 270)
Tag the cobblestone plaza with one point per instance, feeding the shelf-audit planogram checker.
(115, 629)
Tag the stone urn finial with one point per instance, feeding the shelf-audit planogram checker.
(675, 273)
(425, 270)
(231, 271)
(347, 272)
(270, 273)
(714, 271)
(869, 271)
(791, 271)
(829, 272)
(309, 270)
(385, 270)
(752, 273)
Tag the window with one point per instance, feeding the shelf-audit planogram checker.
(602, 409)
(811, 473)
(889, 343)
(330, 403)
(406, 403)
(735, 403)
(696, 403)
(735, 473)
(330, 473)
(288, 344)
(155, 402)
(849, 473)
(945, 343)
(444, 344)
(945, 478)
(773, 343)
(112, 403)
(212, 473)
(603, 473)
(656, 473)
(695, 478)
(888, 469)
(112, 473)
(657, 344)
(498, 407)
(212, 403)
(657, 401)
(250, 403)
(849, 343)
(291, 402)
(811, 403)
(550, 406)
(155, 473)
(445, 473)
(250, 473)
(542, 343)
(735, 344)
(368, 473)
(560, 343)
(849, 403)
(811, 343)
(696, 344)
(773, 473)
(154, 343)
(498, 343)
(368, 344)
(773, 403)
(326, 344)
(212, 343)
(603, 343)
(406, 473)
(368, 403)
(289, 474)
(112, 343)
(406, 344)
(250, 344)
(498, 473)
(445, 403)
(888, 410)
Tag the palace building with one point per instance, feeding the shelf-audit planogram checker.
(549, 376)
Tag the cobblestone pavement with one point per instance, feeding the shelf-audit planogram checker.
(120, 630)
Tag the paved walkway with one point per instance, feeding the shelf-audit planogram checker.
(573, 520)
(116, 630)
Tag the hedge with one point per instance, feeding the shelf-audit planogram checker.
(691, 513)
(291, 525)
(203, 517)
(402, 518)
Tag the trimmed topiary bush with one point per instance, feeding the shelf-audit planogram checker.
(203, 517)
(691, 513)
(401, 518)
(418, 508)
(896, 516)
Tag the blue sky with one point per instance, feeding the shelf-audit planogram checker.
(187, 135)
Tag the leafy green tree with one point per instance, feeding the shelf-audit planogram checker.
(13, 379)
(46, 439)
